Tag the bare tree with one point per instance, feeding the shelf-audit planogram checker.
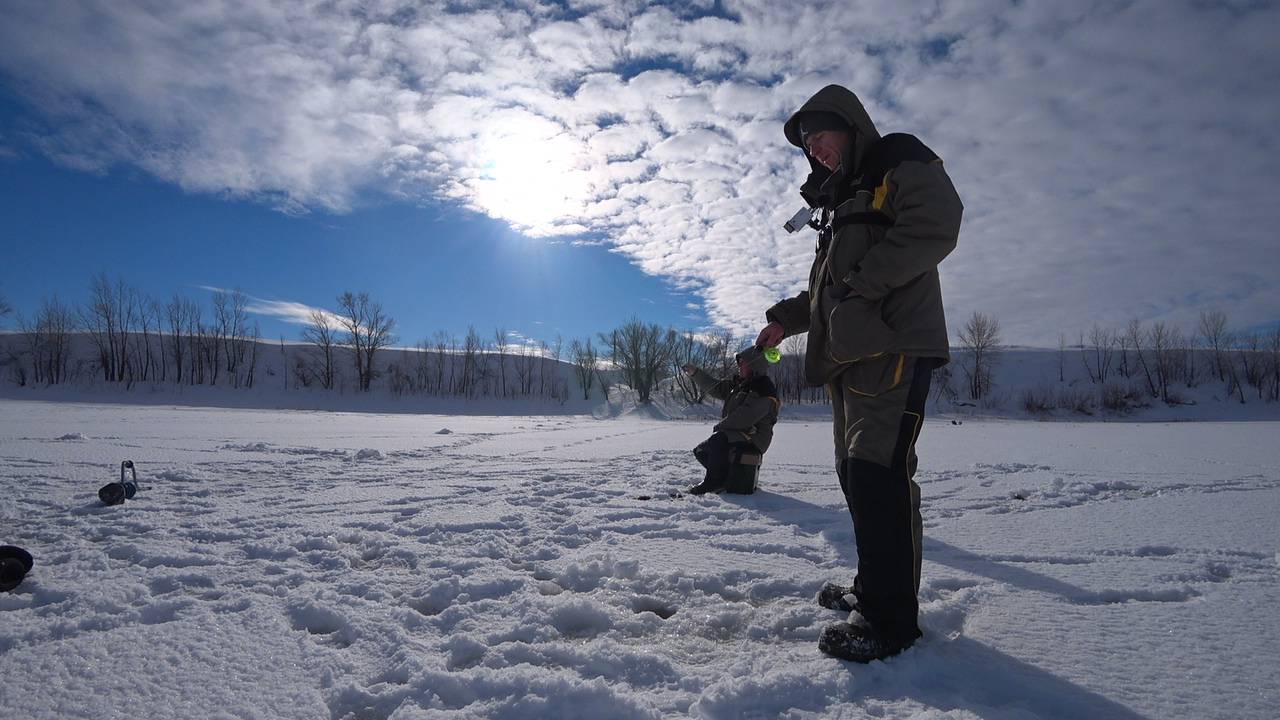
(1134, 338)
(1160, 338)
(235, 340)
(1213, 328)
(253, 342)
(471, 347)
(1273, 349)
(526, 363)
(1122, 343)
(207, 350)
(792, 374)
(1097, 358)
(5, 307)
(195, 343)
(584, 357)
(141, 342)
(642, 353)
(442, 345)
(500, 343)
(100, 323)
(544, 377)
(980, 340)
(1249, 351)
(321, 332)
(59, 322)
(689, 349)
(368, 330)
(722, 348)
(48, 339)
(109, 319)
(1062, 357)
(559, 388)
(284, 363)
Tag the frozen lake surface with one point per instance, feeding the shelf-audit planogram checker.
(284, 564)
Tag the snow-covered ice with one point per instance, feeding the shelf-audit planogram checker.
(287, 564)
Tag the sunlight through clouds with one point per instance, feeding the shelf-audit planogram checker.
(531, 176)
(1075, 135)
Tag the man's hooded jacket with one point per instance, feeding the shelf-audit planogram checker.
(890, 214)
(750, 409)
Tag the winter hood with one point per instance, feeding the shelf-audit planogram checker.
(842, 102)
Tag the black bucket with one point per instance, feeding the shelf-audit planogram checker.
(15, 563)
(116, 493)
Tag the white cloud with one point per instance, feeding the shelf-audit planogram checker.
(1115, 160)
(288, 311)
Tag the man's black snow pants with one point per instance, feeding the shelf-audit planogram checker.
(878, 410)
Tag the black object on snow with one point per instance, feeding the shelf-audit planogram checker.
(15, 563)
(860, 643)
(834, 597)
(116, 493)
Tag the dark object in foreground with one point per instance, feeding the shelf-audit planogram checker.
(860, 643)
(731, 467)
(15, 563)
(834, 597)
(116, 493)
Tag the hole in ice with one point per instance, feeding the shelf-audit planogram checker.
(645, 603)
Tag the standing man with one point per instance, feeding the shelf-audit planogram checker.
(888, 214)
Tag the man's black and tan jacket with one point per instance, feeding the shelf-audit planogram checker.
(889, 214)
(750, 407)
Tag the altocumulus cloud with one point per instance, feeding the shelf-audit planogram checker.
(1116, 159)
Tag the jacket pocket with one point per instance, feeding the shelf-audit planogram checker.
(856, 330)
(877, 375)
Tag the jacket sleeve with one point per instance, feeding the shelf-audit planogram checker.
(718, 389)
(792, 314)
(747, 415)
(925, 229)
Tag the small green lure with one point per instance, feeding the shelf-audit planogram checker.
(772, 354)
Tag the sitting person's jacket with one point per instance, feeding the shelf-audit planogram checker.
(750, 407)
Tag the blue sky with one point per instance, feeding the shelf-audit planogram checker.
(434, 267)
(560, 167)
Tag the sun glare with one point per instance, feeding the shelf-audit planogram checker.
(531, 181)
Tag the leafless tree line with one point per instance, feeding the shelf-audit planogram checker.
(134, 338)
(1156, 360)
(441, 366)
(647, 358)
(1161, 356)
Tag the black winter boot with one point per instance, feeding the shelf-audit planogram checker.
(839, 597)
(861, 643)
(713, 454)
(709, 484)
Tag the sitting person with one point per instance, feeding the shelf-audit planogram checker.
(750, 410)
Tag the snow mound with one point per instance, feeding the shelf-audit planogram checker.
(368, 454)
(72, 437)
(444, 431)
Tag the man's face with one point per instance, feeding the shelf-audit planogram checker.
(827, 147)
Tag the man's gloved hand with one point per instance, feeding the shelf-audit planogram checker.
(771, 335)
